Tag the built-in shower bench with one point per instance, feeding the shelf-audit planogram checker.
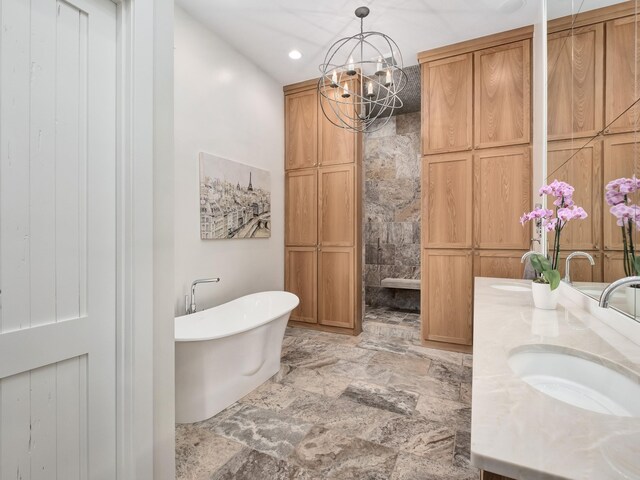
(401, 283)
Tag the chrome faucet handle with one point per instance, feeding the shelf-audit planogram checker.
(527, 255)
(567, 263)
(205, 280)
(607, 292)
(191, 306)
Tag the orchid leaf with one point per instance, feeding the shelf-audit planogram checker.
(553, 277)
(636, 264)
(540, 263)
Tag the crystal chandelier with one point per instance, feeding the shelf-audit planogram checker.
(361, 80)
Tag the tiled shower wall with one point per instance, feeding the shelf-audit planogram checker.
(392, 211)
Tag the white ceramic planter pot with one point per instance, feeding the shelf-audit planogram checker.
(633, 300)
(543, 297)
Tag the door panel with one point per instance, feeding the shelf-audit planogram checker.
(337, 145)
(621, 77)
(503, 95)
(575, 82)
(613, 267)
(619, 153)
(301, 130)
(447, 200)
(336, 302)
(498, 264)
(447, 294)
(584, 172)
(502, 193)
(301, 208)
(57, 239)
(447, 104)
(301, 266)
(336, 187)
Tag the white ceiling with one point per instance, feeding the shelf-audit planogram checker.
(266, 30)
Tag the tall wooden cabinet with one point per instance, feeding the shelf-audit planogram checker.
(592, 68)
(323, 210)
(476, 175)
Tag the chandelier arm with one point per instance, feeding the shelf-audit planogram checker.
(385, 102)
(342, 123)
(339, 114)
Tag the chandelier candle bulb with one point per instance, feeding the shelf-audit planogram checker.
(370, 89)
(379, 69)
(345, 91)
(351, 69)
(388, 79)
(334, 79)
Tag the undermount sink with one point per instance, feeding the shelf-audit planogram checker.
(579, 379)
(510, 287)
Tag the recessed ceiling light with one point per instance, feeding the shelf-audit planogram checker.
(295, 55)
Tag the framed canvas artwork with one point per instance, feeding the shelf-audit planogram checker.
(235, 199)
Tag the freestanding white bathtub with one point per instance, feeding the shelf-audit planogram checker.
(225, 352)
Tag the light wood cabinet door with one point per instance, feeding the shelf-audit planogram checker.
(502, 193)
(498, 264)
(580, 166)
(613, 267)
(503, 95)
(301, 129)
(447, 294)
(580, 268)
(336, 187)
(575, 82)
(336, 287)
(301, 279)
(622, 75)
(447, 198)
(447, 104)
(337, 145)
(619, 153)
(301, 207)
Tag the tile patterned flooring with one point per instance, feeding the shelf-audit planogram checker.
(377, 406)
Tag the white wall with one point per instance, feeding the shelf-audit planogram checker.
(224, 105)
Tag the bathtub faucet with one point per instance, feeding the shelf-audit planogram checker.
(190, 306)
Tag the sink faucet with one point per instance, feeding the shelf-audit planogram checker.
(607, 292)
(190, 306)
(567, 263)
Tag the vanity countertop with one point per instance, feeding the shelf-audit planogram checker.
(522, 433)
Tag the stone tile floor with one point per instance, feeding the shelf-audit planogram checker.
(377, 406)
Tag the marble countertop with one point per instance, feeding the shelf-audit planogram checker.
(522, 433)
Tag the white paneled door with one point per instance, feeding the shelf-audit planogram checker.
(57, 239)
